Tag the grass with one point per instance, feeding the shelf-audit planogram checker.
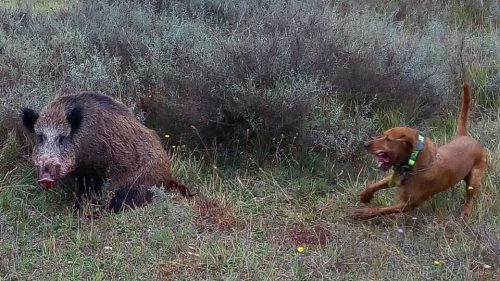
(258, 204)
(248, 226)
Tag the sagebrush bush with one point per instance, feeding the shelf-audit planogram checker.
(235, 70)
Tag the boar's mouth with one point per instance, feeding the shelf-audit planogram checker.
(47, 181)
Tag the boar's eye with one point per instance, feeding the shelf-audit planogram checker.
(39, 138)
(61, 139)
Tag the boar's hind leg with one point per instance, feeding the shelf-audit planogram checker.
(129, 197)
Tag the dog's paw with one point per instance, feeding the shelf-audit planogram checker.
(364, 214)
(365, 197)
(464, 215)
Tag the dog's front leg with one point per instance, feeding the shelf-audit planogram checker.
(368, 213)
(367, 194)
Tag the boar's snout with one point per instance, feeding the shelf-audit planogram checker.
(49, 170)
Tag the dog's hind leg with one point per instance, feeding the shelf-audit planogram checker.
(472, 184)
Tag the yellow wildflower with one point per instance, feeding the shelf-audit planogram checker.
(300, 249)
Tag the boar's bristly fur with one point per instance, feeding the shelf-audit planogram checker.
(92, 137)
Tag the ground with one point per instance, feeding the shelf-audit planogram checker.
(246, 225)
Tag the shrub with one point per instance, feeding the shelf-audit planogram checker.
(240, 70)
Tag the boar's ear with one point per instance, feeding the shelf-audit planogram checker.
(74, 118)
(29, 117)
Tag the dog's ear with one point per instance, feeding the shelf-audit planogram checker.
(406, 140)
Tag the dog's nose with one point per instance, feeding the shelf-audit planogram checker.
(366, 144)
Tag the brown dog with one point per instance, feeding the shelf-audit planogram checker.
(421, 169)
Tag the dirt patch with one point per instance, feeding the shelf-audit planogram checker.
(214, 214)
(170, 270)
(316, 235)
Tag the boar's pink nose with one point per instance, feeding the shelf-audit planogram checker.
(50, 168)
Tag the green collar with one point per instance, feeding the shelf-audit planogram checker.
(400, 172)
(420, 145)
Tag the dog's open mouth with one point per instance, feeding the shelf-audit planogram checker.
(383, 160)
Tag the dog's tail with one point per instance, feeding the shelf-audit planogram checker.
(464, 111)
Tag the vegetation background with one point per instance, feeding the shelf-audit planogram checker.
(263, 106)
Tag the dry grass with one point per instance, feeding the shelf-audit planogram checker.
(248, 227)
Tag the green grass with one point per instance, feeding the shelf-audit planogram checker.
(470, 14)
(247, 226)
(481, 75)
(38, 6)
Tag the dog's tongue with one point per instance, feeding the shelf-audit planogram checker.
(46, 182)
(383, 158)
